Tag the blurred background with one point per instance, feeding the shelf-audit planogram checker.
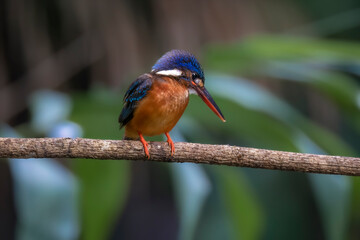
(285, 73)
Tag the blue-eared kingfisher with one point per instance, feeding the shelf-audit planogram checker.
(155, 101)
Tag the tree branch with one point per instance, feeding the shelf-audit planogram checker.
(184, 152)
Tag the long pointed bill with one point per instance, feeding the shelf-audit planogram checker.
(206, 97)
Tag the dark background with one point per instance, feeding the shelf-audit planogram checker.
(285, 73)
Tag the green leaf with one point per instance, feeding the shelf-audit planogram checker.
(104, 184)
(252, 53)
(240, 202)
(192, 187)
(333, 197)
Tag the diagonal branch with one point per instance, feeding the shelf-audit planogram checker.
(185, 152)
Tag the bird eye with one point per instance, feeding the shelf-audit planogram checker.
(195, 76)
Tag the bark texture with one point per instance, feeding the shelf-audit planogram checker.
(184, 152)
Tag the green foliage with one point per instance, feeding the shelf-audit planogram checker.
(246, 203)
(104, 184)
(326, 66)
(240, 202)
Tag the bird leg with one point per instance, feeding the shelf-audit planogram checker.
(171, 143)
(145, 144)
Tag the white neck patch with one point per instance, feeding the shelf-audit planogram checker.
(192, 91)
(172, 72)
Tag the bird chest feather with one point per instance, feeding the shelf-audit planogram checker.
(162, 108)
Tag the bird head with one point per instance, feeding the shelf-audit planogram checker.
(183, 66)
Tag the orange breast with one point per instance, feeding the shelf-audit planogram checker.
(160, 110)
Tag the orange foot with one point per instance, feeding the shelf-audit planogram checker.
(145, 144)
(171, 144)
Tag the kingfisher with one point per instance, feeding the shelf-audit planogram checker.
(155, 101)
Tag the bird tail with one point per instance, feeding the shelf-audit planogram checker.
(130, 135)
(130, 138)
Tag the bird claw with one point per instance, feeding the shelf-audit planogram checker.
(145, 144)
(171, 144)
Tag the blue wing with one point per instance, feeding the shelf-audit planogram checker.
(134, 94)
